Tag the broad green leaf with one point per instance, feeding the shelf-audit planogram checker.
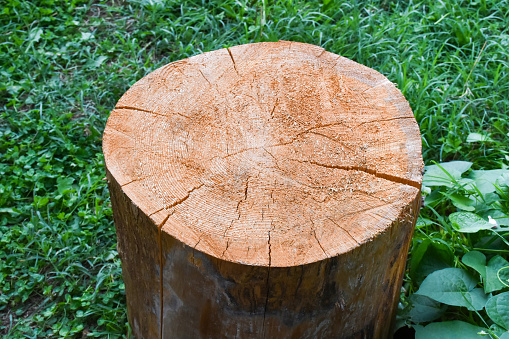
(477, 261)
(424, 309)
(64, 185)
(41, 201)
(498, 309)
(485, 180)
(99, 61)
(450, 330)
(462, 202)
(12, 211)
(86, 35)
(445, 174)
(467, 222)
(493, 276)
(35, 34)
(453, 286)
(422, 222)
(503, 180)
(477, 137)
(428, 257)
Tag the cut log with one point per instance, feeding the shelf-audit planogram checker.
(267, 190)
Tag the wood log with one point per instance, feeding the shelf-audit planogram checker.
(267, 190)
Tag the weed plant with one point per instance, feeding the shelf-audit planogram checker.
(64, 64)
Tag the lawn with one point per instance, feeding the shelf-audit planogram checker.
(64, 64)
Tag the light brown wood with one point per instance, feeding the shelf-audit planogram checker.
(275, 185)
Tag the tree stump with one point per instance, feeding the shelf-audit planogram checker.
(267, 190)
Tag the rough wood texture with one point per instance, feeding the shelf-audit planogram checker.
(274, 185)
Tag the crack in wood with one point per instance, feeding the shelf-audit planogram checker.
(194, 248)
(332, 139)
(301, 277)
(273, 109)
(204, 77)
(161, 275)
(267, 284)
(226, 249)
(317, 240)
(150, 112)
(383, 120)
(134, 180)
(180, 201)
(346, 231)
(293, 139)
(388, 177)
(233, 60)
(237, 209)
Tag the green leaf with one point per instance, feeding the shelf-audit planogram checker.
(453, 286)
(428, 257)
(445, 174)
(64, 185)
(35, 35)
(99, 61)
(462, 202)
(12, 211)
(467, 222)
(477, 261)
(503, 180)
(477, 137)
(498, 309)
(424, 309)
(494, 270)
(422, 222)
(86, 35)
(41, 201)
(485, 180)
(96, 63)
(450, 330)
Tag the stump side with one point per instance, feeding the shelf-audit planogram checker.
(136, 236)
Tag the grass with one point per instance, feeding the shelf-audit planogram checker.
(64, 64)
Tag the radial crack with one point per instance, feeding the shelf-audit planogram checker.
(233, 60)
(383, 120)
(150, 112)
(204, 77)
(226, 249)
(273, 109)
(389, 177)
(331, 139)
(180, 201)
(316, 238)
(335, 223)
(279, 144)
(134, 180)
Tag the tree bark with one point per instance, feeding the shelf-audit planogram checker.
(260, 191)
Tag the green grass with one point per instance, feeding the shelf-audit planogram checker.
(63, 66)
